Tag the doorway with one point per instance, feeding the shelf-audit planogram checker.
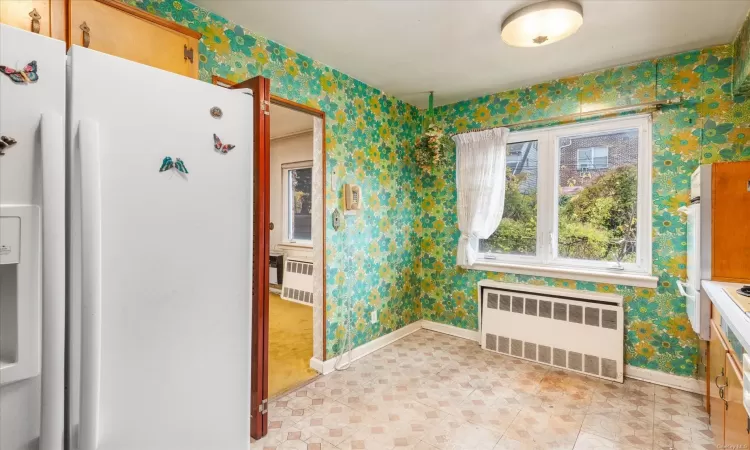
(263, 102)
(290, 329)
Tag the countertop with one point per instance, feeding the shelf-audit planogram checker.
(731, 313)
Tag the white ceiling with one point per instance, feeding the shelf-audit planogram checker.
(409, 47)
(288, 121)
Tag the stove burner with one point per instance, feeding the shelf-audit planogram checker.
(744, 290)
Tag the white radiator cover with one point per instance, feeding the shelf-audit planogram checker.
(298, 280)
(567, 329)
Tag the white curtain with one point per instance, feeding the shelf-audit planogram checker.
(480, 182)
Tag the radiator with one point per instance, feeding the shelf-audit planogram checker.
(298, 281)
(573, 330)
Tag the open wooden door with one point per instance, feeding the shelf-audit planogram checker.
(261, 220)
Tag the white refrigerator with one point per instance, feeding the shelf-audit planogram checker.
(32, 240)
(129, 247)
(160, 259)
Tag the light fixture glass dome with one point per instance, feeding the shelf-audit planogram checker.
(542, 23)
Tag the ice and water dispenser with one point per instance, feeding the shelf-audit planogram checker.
(20, 291)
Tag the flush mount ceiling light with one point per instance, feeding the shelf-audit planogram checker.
(542, 23)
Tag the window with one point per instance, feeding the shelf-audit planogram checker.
(578, 197)
(297, 180)
(593, 158)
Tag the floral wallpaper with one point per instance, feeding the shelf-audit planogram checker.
(368, 140)
(709, 126)
(398, 256)
(742, 59)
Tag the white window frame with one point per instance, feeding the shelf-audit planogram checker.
(286, 237)
(546, 262)
(593, 158)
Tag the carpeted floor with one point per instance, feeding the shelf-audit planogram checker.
(290, 345)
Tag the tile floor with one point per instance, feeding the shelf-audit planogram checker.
(432, 391)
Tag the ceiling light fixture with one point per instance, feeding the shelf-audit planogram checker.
(542, 23)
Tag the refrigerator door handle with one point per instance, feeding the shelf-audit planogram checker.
(53, 287)
(682, 287)
(91, 302)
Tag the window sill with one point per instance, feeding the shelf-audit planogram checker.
(295, 246)
(596, 276)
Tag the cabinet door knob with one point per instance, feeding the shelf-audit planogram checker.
(86, 34)
(716, 380)
(35, 18)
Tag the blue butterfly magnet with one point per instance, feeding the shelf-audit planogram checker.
(167, 163)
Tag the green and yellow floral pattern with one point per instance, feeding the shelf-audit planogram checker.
(402, 248)
(710, 125)
(369, 137)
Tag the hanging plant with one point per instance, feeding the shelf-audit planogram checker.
(434, 148)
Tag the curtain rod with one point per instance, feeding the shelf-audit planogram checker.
(641, 107)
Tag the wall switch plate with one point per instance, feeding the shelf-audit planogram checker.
(374, 316)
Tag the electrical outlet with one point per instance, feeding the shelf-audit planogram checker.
(374, 316)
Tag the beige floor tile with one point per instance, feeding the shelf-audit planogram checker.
(536, 425)
(615, 427)
(674, 397)
(432, 391)
(277, 435)
(445, 397)
(507, 396)
(302, 401)
(483, 412)
(680, 440)
(456, 434)
(636, 409)
(333, 424)
(506, 443)
(312, 444)
(588, 441)
(680, 419)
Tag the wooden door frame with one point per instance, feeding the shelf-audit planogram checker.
(262, 187)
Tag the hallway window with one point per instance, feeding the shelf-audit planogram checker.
(298, 202)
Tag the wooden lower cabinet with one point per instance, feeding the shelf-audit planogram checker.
(735, 416)
(728, 417)
(716, 373)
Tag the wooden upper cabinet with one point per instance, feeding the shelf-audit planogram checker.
(731, 221)
(118, 29)
(45, 17)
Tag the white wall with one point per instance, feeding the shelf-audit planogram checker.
(285, 150)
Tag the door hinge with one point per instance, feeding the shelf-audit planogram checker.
(263, 407)
(265, 106)
(188, 53)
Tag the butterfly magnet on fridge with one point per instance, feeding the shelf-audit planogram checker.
(221, 147)
(167, 163)
(24, 76)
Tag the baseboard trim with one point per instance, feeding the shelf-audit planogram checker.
(316, 364)
(688, 384)
(450, 330)
(363, 350)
